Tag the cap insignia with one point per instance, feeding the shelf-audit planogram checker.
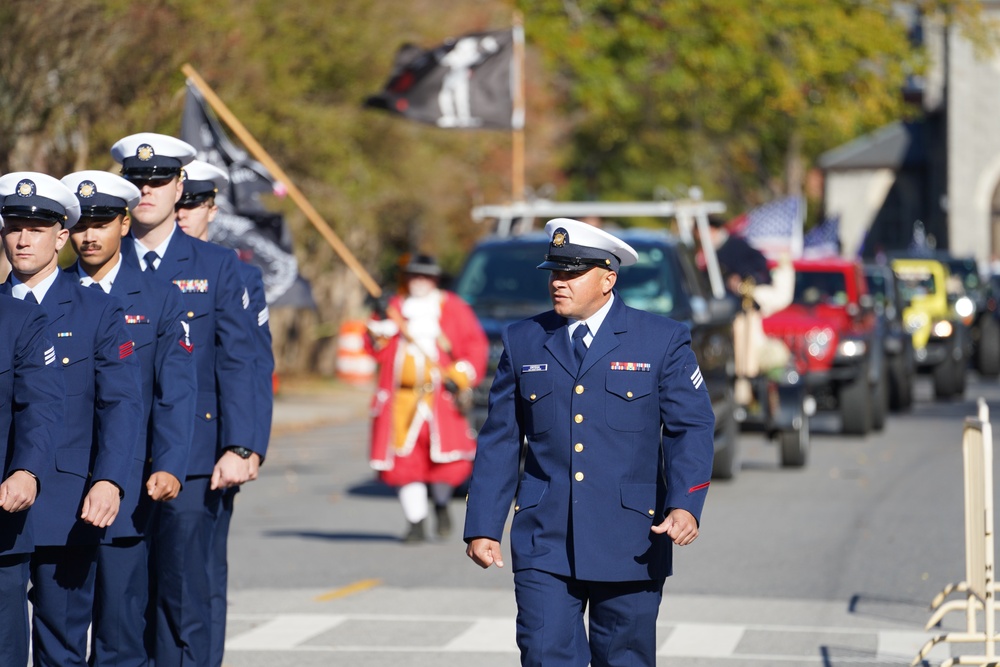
(86, 190)
(560, 238)
(26, 188)
(145, 152)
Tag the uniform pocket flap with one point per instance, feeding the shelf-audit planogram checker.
(207, 407)
(628, 385)
(640, 498)
(75, 461)
(530, 493)
(535, 386)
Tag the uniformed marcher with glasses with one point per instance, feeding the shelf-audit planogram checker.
(153, 317)
(87, 478)
(216, 332)
(195, 212)
(618, 427)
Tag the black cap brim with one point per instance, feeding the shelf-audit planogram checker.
(149, 173)
(559, 263)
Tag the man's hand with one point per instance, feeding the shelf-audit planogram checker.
(100, 507)
(254, 465)
(162, 486)
(18, 491)
(679, 526)
(485, 552)
(230, 470)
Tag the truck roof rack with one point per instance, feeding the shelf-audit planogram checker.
(519, 217)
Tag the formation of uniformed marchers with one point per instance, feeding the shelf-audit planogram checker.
(135, 387)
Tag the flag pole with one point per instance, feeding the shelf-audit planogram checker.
(300, 200)
(517, 121)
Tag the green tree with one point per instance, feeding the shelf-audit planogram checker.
(732, 95)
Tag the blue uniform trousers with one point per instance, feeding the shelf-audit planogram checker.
(14, 609)
(550, 629)
(181, 560)
(62, 598)
(220, 574)
(120, 602)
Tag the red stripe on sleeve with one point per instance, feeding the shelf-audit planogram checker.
(125, 349)
(699, 487)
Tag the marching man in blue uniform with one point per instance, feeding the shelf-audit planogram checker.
(619, 429)
(195, 212)
(95, 447)
(216, 332)
(31, 409)
(153, 317)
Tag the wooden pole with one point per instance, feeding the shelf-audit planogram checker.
(517, 143)
(262, 156)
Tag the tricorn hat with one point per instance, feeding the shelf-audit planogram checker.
(422, 265)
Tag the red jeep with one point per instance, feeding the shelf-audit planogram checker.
(830, 331)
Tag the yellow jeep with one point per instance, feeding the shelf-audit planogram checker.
(939, 333)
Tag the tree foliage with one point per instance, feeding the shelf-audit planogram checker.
(721, 93)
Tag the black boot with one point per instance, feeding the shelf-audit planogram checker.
(415, 534)
(443, 520)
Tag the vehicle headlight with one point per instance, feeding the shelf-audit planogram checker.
(851, 348)
(818, 342)
(915, 322)
(965, 307)
(942, 329)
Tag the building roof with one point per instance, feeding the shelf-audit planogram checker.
(892, 146)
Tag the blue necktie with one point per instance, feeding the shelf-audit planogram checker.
(151, 258)
(30, 298)
(96, 285)
(579, 347)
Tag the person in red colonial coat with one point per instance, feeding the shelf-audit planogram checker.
(431, 352)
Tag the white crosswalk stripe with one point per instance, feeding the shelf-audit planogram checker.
(360, 629)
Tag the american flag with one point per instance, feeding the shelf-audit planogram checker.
(823, 240)
(774, 228)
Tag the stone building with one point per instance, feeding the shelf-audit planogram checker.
(942, 169)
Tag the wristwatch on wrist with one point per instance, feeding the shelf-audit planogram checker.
(242, 452)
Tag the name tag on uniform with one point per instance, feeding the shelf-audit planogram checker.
(534, 368)
(630, 366)
(193, 286)
(136, 319)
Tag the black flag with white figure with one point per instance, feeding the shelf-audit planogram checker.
(243, 223)
(467, 82)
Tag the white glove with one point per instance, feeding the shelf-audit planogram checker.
(382, 328)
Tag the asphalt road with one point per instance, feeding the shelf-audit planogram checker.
(834, 564)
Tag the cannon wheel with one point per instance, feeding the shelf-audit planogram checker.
(794, 445)
(727, 461)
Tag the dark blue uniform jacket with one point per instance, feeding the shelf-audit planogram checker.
(31, 408)
(99, 435)
(610, 450)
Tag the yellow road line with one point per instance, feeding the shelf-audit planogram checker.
(350, 589)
